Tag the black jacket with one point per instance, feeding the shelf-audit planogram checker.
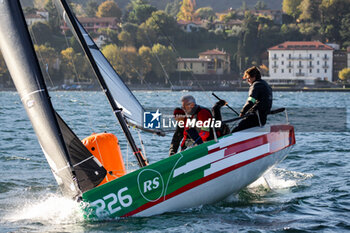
(176, 140)
(260, 98)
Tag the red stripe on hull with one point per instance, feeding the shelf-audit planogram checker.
(198, 182)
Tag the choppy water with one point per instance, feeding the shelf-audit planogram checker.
(309, 191)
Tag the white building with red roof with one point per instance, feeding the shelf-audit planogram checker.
(93, 24)
(38, 17)
(213, 61)
(191, 26)
(301, 60)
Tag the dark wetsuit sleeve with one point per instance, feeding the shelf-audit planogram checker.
(254, 93)
(176, 140)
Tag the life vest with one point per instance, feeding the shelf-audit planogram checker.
(195, 116)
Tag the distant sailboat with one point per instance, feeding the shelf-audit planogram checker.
(203, 174)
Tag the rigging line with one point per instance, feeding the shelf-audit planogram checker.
(127, 157)
(142, 145)
(75, 72)
(72, 60)
(161, 65)
(31, 32)
(83, 161)
(138, 73)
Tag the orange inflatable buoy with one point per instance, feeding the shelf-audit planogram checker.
(105, 147)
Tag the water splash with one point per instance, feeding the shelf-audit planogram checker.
(279, 178)
(51, 209)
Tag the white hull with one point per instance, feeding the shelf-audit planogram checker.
(231, 182)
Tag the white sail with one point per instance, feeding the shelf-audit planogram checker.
(124, 98)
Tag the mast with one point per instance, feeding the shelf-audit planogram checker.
(18, 52)
(117, 111)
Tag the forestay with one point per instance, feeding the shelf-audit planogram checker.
(124, 98)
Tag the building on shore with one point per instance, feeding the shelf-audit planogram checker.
(210, 62)
(191, 26)
(339, 60)
(300, 61)
(93, 24)
(39, 16)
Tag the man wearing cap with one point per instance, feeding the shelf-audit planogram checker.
(259, 100)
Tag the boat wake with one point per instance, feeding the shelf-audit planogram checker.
(52, 209)
(277, 180)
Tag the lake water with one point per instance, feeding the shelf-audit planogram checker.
(309, 191)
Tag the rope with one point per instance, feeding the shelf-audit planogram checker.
(84, 98)
(142, 145)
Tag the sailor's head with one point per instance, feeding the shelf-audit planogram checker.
(188, 103)
(179, 114)
(252, 74)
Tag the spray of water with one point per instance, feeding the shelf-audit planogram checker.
(279, 178)
(51, 209)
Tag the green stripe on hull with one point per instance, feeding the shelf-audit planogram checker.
(149, 184)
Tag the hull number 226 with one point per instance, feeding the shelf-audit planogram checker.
(114, 203)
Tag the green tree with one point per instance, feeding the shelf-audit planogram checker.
(163, 61)
(310, 10)
(48, 59)
(290, 32)
(146, 35)
(124, 60)
(54, 20)
(344, 30)
(140, 12)
(291, 7)
(68, 57)
(145, 67)
(5, 78)
(111, 52)
(41, 32)
(109, 9)
(260, 5)
(162, 24)
(332, 14)
(3, 67)
(75, 66)
(173, 7)
(229, 16)
(309, 31)
(205, 13)
(187, 10)
(131, 28)
(250, 45)
(111, 34)
(131, 62)
(38, 4)
(77, 9)
(126, 38)
(344, 75)
(91, 8)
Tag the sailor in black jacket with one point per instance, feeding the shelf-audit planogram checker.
(259, 99)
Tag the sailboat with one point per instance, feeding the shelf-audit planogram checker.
(204, 174)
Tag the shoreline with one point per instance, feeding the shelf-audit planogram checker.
(238, 89)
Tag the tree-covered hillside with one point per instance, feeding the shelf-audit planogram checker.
(161, 4)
